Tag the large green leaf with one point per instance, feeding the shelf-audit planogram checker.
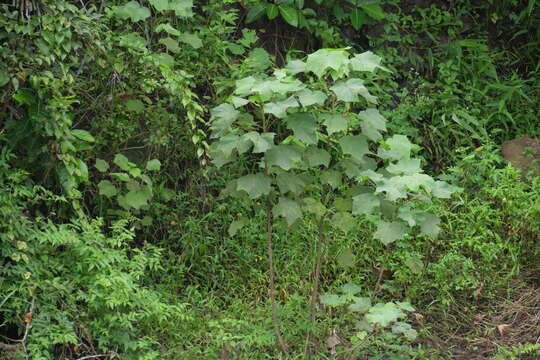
(289, 14)
(394, 187)
(346, 258)
(288, 182)
(135, 199)
(284, 156)
(429, 224)
(366, 61)
(309, 97)
(304, 127)
(372, 124)
(224, 112)
(442, 190)
(405, 166)
(334, 123)
(261, 142)
(317, 157)
(132, 10)
(365, 204)
(332, 178)
(255, 185)
(349, 90)
(356, 146)
(182, 8)
(153, 165)
(388, 232)
(324, 59)
(279, 109)
(289, 209)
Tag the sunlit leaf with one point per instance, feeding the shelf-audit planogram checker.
(384, 314)
(349, 90)
(324, 59)
(373, 123)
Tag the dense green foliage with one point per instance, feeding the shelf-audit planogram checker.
(252, 179)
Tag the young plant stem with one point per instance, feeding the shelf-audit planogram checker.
(381, 274)
(315, 289)
(275, 320)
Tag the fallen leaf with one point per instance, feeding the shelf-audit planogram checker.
(502, 328)
(27, 318)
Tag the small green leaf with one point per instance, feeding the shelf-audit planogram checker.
(171, 44)
(384, 314)
(237, 225)
(349, 90)
(289, 209)
(259, 60)
(272, 11)
(121, 176)
(153, 165)
(358, 18)
(191, 39)
(168, 29)
(160, 5)
(83, 135)
(289, 14)
(332, 300)
(102, 165)
(314, 207)
(365, 204)
(284, 156)
(106, 188)
(255, 185)
(415, 264)
(361, 305)
(388, 232)
(344, 221)
(122, 162)
(350, 289)
(356, 146)
(238, 101)
(255, 13)
(334, 123)
(135, 106)
(346, 258)
(374, 11)
(304, 127)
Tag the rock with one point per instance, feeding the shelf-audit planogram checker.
(524, 154)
